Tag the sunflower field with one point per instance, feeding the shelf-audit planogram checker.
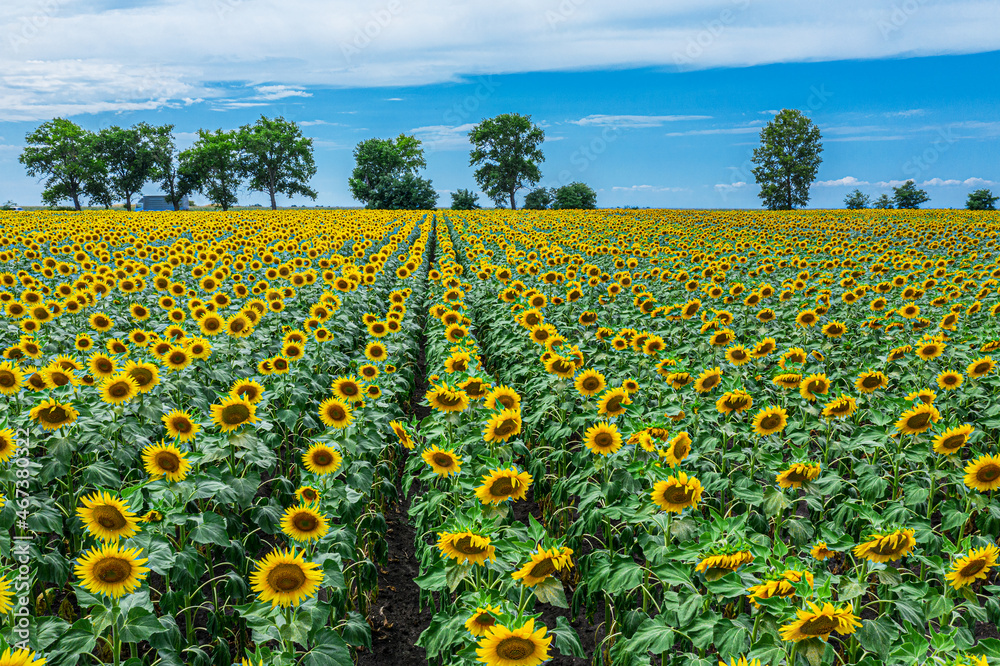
(504, 438)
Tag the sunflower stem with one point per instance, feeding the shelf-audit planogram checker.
(116, 640)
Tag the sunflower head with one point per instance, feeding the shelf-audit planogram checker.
(107, 517)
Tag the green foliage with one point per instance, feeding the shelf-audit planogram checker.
(857, 200)
(981, 200)
(464, 200)
(385, 174)
(277, 158)
(9, 205)
(507, 150)
(575, 196)
(539, 199)
(907, 196)
(129, 158)
(787, 160)
(60, 152)
(213, 167)
(883, 202)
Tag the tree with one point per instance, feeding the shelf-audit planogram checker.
(856, 200)
(907, 196)
(787, 160)
(409, 192)
(167, 172)
(10, 205)
(129, 158)
(213, 167)
(464, 200)
(61, 152)
(539, 199)
(277, 158)
(575, 196)
(883, 202)
(385, 174)
(507, 150)
(981, 200)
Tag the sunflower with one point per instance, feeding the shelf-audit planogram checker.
(763, 348)
(335, 413)
(455, 332)
(118, 389)
(107, 517)
(722, 337)
(679, 380)
(925, 396)
(368, 371)
(807, 318)
(11, 379)
(788, 380)
(821, 622)
(247, 389)
(458, 362)
(146, 375)
(239, 326)
(307, 495)
(20, 657)
(869, 382)
(502, 646)
(918, 419)
(603, 438)
(770, 420)
(445, 399)
(151, 517)
(165, 461)
(322, 459)
(52, 414)
(466, 547)
(930, 350)
(834, 329)
(717, 564)
(543, 564)
(678, 449)
(677, 493)
(401, 434)
(231, 413)
(821, 552)
(442, 462)
(376, 351)
(734, 402)
(177, 358)
(612, 402)
(303, 523)
(8, 446)
(111, 570)
(481, 620)
(285, 579)
(742, 661)
(840, 408)
(501, 485)
(886, 547)
(976, 565)
(950, 441)
(738, 355)
(983, 473)
(502, 426)
(589, 383)
(783, 586)
(949, 381)
(708, 380)
(813, 386)
(980, 367)
(797, 474)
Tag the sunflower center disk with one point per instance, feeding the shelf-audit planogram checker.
(677, 495)
(286, 577)
(464, 546)
(972, 568)
(305, 522)
(235, 414)
(501, 487)
(769, 422)
(112, 570)
(54, 415)
(442, 460)
(514, 648)
(168, 462)
(109, 518)
(819, 626)
(322, 458)
(989, 473)
(543, 568)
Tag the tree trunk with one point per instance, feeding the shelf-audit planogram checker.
(274, 203)
(513, 203)
(76, 199)
(128, 203)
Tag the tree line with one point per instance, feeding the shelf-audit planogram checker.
(114, 164)
(272, 156)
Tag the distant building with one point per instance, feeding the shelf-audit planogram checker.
(158, 202)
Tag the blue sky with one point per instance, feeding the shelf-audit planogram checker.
(651, 104)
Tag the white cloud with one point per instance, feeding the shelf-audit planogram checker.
(314, 123)
(272, 93)
(728, 187)
(367, 43)
(846, 181)
(951, 182)
(444, 137)
(889, 183)
(906, 113)
(722, 130)
(396, 99)
(978, 182)
(648, 188)
(632, 122)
